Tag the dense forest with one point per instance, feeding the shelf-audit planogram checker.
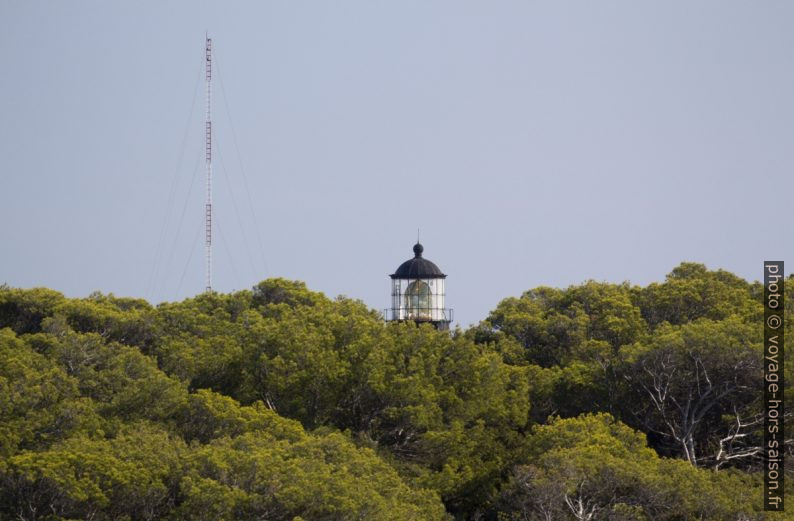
(596, 402)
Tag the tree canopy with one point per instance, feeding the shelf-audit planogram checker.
(598, 401)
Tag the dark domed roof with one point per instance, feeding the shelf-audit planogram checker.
(418, 267)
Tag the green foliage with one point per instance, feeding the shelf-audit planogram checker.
(599, 401)
(254, 476)
(39, 402)
(23, 310)
(273, 292)
(679, 360)
(451, 412)
(550, 324)
(134, 475)
(593, 467)
(410, 391)
(208, 416)
(691, 292)
(93, 429)
(692, 375)
(122, 381)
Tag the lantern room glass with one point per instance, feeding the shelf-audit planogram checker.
(419, 300)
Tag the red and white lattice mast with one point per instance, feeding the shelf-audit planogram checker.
(208, 162)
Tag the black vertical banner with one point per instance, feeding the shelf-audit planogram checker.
(773, 386)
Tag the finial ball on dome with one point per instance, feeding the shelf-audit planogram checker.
(418, 249)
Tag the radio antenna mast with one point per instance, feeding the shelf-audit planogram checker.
(208, 162)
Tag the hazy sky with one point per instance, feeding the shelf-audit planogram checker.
(534, 143)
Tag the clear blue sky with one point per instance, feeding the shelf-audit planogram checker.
(534, 143)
